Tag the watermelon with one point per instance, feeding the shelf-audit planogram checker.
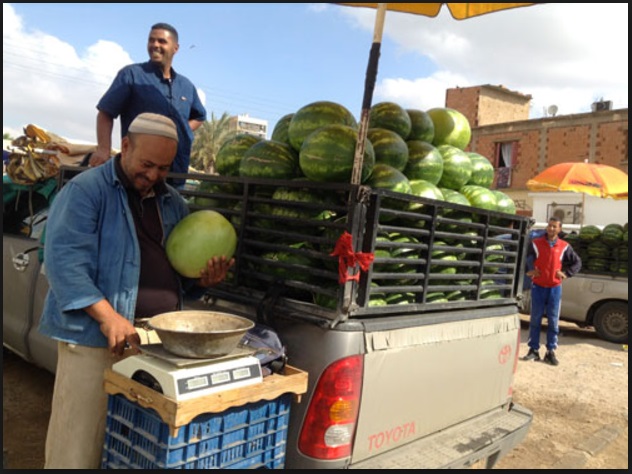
(231, 152)
(197, 238)
(389, 147)
(269, 159)
(451, 127)
(386, 177)
(598, 249)
(482, 170)
(423, 188)
(457, 167)
(328, 153)
(504, 203)
(455, 197)
(424, 162)
(612, 234)
(390, 116)
(313, 116)
(589, 233)
(216, 188)
(422, 127)
(480, 197)
(280, 131)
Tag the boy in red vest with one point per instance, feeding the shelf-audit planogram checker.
(550, 260)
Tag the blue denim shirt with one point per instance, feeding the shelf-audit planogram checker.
(141, 88)
(91, 252)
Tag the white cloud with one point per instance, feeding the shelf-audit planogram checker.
(49, 83)
(564, 54)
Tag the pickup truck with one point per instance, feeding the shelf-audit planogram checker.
(410, 360)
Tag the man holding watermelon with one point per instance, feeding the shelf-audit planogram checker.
(550, 260)
(107, 267)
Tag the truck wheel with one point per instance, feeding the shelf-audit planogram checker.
(611, 321)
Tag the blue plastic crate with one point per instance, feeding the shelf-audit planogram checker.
(251, 436)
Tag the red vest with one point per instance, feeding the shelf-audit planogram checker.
(548, 261)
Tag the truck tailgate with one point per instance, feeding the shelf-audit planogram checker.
(488, 436)
(461, 369)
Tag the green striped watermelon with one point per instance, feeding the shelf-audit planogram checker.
(231, 152)
(315, 115)
(451, 127)
(612, 234)
(457, 167)
(424, 162)
(390, 116)
(589, 233)
(328, 154)
(280, 131)
(269, 159)
(386, 177)
(482, 170)
(504, 203)
(422, 127)
(389, 147)
(425, 189)
(480, 197)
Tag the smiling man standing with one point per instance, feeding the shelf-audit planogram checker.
(153, 86)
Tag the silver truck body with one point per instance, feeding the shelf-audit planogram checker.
(594, 300)
(433, 386)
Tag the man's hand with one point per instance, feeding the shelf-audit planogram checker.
(118, 331)
(533, 273)
(561, 275)
(99, 157)
(215, 271)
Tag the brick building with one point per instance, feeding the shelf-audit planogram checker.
(519, 148)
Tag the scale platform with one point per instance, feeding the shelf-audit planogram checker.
(182, 378)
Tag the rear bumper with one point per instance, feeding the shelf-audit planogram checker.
(488, 438)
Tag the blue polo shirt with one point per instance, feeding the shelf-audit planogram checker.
(141, 87)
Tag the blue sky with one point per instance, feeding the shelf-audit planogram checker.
(267, 60)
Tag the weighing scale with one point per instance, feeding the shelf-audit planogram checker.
(182, 378)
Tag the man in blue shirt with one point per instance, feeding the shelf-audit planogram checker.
(153, 86)
(107, 268)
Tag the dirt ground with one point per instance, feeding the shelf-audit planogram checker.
(580, 407)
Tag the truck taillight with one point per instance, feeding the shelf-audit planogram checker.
(331, 418)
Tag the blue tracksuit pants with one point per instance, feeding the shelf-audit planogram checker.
(545, 300)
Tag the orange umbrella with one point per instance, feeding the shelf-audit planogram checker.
(459, 11)
(582, 177)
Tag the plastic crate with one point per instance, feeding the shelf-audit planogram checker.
(252, 436)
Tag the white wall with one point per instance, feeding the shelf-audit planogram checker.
(596, 211)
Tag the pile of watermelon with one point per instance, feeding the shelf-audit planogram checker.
(297, 203)
(602, 250)
(410, 151)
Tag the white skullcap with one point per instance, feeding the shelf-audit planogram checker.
(154, 124)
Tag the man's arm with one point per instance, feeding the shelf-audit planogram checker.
(105, 124)
(571, 262)
(117, 329)
(195, 124)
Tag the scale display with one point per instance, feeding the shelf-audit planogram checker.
(182, 379)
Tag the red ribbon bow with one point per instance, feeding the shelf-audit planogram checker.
(348, 258)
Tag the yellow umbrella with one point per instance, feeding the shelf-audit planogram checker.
(582, 177)
(460, 11)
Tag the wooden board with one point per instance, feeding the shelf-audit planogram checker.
(180, 413)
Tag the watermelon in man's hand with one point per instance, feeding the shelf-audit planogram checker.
(197, 238)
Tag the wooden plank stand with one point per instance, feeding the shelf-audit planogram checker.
(179, 413)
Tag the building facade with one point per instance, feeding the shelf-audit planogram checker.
(247, 124)
(520, 148)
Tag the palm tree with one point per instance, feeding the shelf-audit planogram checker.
(207, 142)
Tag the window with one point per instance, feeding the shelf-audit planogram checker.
(505, 158)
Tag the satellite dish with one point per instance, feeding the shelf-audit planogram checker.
(552, 110)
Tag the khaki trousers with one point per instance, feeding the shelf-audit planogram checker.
(76, 429)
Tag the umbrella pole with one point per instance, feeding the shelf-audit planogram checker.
(369, 86)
